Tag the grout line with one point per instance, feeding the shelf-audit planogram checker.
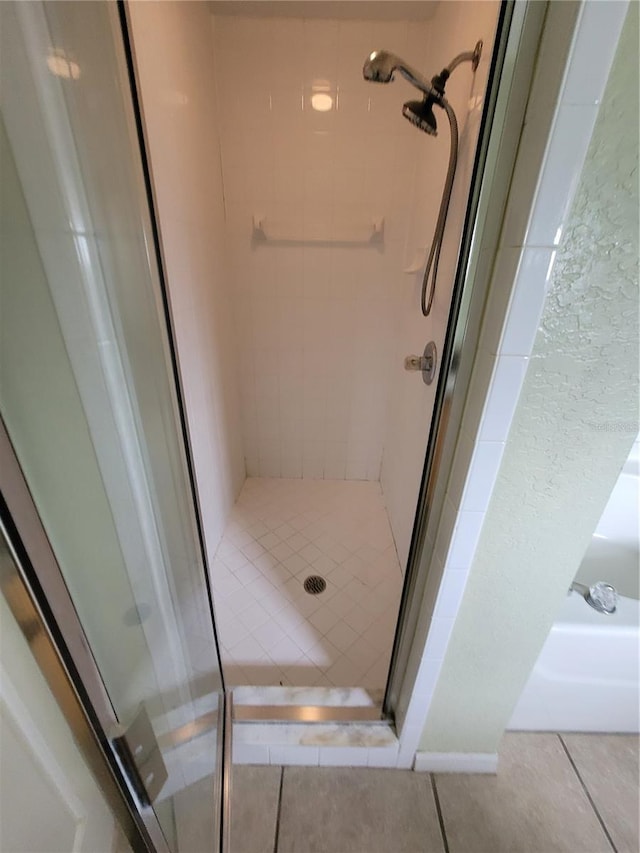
(235, 571)
(589, 797)
(276, 839)
(445, 843)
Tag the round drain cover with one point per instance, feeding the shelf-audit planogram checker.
(314, 585)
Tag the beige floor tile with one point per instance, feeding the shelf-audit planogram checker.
(346, 810)
(608, 765)
(254, 808)
(535, 804)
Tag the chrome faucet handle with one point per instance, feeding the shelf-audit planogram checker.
(425, 363)
(601, 596)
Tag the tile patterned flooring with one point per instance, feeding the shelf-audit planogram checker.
(272, 632)
(553, 794)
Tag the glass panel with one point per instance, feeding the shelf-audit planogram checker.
(67, 810)
(86, 387)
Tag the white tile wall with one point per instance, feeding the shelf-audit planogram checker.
(563, 164)
(178, 95)
(383, 756)
(316, 322)
(344, 756)
(450, 594)
(508, 376)
(291, 755)
(328, 745)
(452, 30)
(485, 463)
(527, 301)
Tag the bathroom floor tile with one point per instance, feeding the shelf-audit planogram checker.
(535, 804)
(255, 792)
(608, 766)
(363, 810)
(271, 630)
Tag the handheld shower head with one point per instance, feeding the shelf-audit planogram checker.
(380, 66)
(420, 114)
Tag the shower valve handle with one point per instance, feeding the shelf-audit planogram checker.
(417, 362)
(425, 363)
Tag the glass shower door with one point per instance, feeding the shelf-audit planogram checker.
(89, 401)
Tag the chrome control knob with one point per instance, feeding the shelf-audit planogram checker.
(425, 363)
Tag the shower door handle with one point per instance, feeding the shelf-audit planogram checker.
(140, 757)
(425, 363)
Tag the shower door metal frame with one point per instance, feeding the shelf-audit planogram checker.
(40, 601)
(37, 594)
(519, 29)
(46, 611)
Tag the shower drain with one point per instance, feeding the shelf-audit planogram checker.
(314, 585)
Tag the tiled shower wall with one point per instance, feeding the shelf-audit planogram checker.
(454, 28)
(323, 326)
(315, 315)
(180, 117)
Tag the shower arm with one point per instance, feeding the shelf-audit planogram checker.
(426, 86)
(472, 56)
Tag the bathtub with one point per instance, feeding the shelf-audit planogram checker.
(586, 678)
(613, 554)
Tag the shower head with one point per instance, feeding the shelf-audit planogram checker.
(380, 65)
(420, 114)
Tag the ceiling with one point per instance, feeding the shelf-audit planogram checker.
(370, 10)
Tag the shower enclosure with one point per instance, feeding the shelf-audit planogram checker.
(296, 208)
(215, 234)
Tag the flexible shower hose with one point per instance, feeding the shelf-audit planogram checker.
(431, 270)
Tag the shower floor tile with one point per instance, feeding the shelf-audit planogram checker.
(273, 632)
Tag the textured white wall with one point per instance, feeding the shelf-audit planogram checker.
(177, 80)
(576, 417)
